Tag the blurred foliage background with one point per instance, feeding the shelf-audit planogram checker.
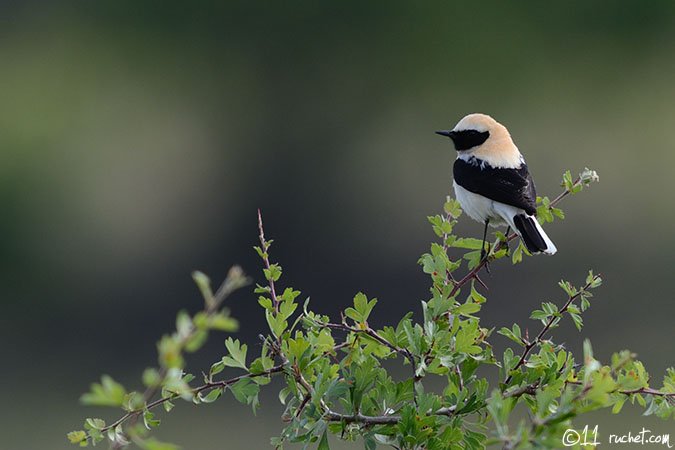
(137, 140)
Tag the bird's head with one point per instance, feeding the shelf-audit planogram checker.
(482, 136)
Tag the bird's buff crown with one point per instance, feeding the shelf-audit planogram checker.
(498, 150)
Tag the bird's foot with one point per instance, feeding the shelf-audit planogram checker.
(505, 242)
(485, 257)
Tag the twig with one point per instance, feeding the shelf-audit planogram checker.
(195, 391)
(527, 389)
(588, 387)
(380, 420)
(265, 246)
(448, 275)
(553, 319)
(643, 390)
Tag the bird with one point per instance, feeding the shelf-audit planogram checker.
(492, 182)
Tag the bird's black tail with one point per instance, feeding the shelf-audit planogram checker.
(533, 236)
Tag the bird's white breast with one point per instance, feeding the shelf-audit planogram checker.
(479, 208)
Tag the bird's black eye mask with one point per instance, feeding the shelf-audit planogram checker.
(466, 139)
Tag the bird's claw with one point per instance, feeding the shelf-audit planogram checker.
(483, 252)
(485, 256)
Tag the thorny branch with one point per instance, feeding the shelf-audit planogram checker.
(529, 345)
(197, 390)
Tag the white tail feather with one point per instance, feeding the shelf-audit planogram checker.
(550, 246)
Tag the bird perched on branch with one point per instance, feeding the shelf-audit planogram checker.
(492, 183)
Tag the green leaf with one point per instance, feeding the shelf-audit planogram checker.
(204, 284)
(452, 208)
(223, 322)
(273, 273)
(473, 258)
(277, 323)
(94, 424)
(616, 409)
(133, 401)
(183, 324)
(237, 354)
(474, 440)
(259, 289)
(517, 255)
(591, 365)
(578, 321)
(568, 288)
(585, 304)
(154, 444)
(260, 252)
(265, 303)
(107, 393)
(593, 281)
(287, 308)
(476, 296)
(170, 355)
(468, 243)
(196, 341)
(212, 396)
(550, 308)
(467, 309)
(245, 391)
(289, 295)
(544, 214)
(466, 337)
(323, 444)
(362, 308)
(436, 222)
(324, 341)
(149, 420)
(297, 347)
(216, 368)
(514, 334)
(151, 377)
(567, 181)
(640, 399)
(261, 364)
(77, 437)
(538, 314)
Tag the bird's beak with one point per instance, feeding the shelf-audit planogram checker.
(445, 133)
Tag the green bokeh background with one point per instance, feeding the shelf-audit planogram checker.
(137, 140)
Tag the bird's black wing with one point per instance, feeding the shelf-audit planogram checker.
(531, 190)
(510, 186)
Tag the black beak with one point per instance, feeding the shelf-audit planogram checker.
(445, 133)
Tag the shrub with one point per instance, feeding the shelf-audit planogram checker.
(334, 380)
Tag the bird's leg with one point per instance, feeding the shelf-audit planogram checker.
(483, 253)
(506, 242)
